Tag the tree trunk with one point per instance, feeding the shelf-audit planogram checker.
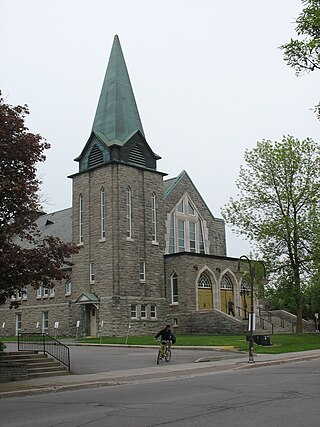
(299, 328)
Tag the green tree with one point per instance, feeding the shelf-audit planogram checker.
(278, 209)
(38, 261)
(303, 54)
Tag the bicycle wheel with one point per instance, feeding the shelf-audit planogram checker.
(168, 355)
(158, 357)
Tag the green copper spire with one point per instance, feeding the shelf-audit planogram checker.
(117, 114)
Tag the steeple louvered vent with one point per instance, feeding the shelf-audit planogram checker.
(137, 156)
(95, 157)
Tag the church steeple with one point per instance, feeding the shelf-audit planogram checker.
(117, 114)
(117, 133)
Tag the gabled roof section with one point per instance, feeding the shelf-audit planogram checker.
(56, 224)
(117, 114)
(170, 184)
(87, 298)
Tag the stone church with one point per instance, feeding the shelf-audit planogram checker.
(151, 252)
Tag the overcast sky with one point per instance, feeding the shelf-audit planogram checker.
(208, 77)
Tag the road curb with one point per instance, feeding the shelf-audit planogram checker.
(151, 376)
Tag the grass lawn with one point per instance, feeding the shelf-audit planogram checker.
(281, 343)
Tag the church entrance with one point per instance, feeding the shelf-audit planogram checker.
(92, 320)
(89, 303)
(226, 292)
(205, 298)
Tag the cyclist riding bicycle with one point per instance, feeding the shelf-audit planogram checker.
(166, 335)
(167, 339)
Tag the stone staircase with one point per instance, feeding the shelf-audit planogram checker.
(34, 364)
(283, 322)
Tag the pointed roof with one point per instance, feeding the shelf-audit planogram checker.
(117, 114)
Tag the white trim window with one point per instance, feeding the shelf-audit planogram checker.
(153, 311)
(142, 271)
(186, 228)
(226, 283)
(102, 214)
(172, 240)
(68, 287)
(52, 292)
(39, 293)
(129, 212)
(18, 323)
(204, 282)
(81, 219)
(25, 294)
(181, 233)
(133, 311)
(91, 272)
(45, 292)
(143, 311)
(174, 289)
(45, 321)
(154, 217)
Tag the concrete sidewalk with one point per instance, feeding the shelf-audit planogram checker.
(162, 371)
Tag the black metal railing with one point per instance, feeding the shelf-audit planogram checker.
(284, 323)
(262, 321)
(44, 343)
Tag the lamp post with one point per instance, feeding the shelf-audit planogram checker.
(252, 273)
(244, 293)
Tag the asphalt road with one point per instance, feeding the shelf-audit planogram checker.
(279, 395)
(94, 359)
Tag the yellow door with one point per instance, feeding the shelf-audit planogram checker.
(205, 299)
(225, 294)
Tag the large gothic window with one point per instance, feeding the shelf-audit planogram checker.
(186, 229)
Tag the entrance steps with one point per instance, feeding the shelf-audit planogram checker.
(37, 364)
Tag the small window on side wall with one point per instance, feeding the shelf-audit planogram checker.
(68, 287)
(174, 289)
(143, 311)
(142, 271)
(133, 311)
(153, 311)
(91, 272)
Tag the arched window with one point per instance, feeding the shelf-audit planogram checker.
(129, 212)
(174, 289)
(186, 228)
(102, 214)
(154, 216)
(226, 283)
(80, 218)
(204, 281)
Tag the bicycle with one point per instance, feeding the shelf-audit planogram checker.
(164, 351)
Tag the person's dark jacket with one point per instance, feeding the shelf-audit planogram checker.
(165, 334)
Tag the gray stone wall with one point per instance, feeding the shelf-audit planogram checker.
(12, 372)
(117, 258)
(188, 268)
